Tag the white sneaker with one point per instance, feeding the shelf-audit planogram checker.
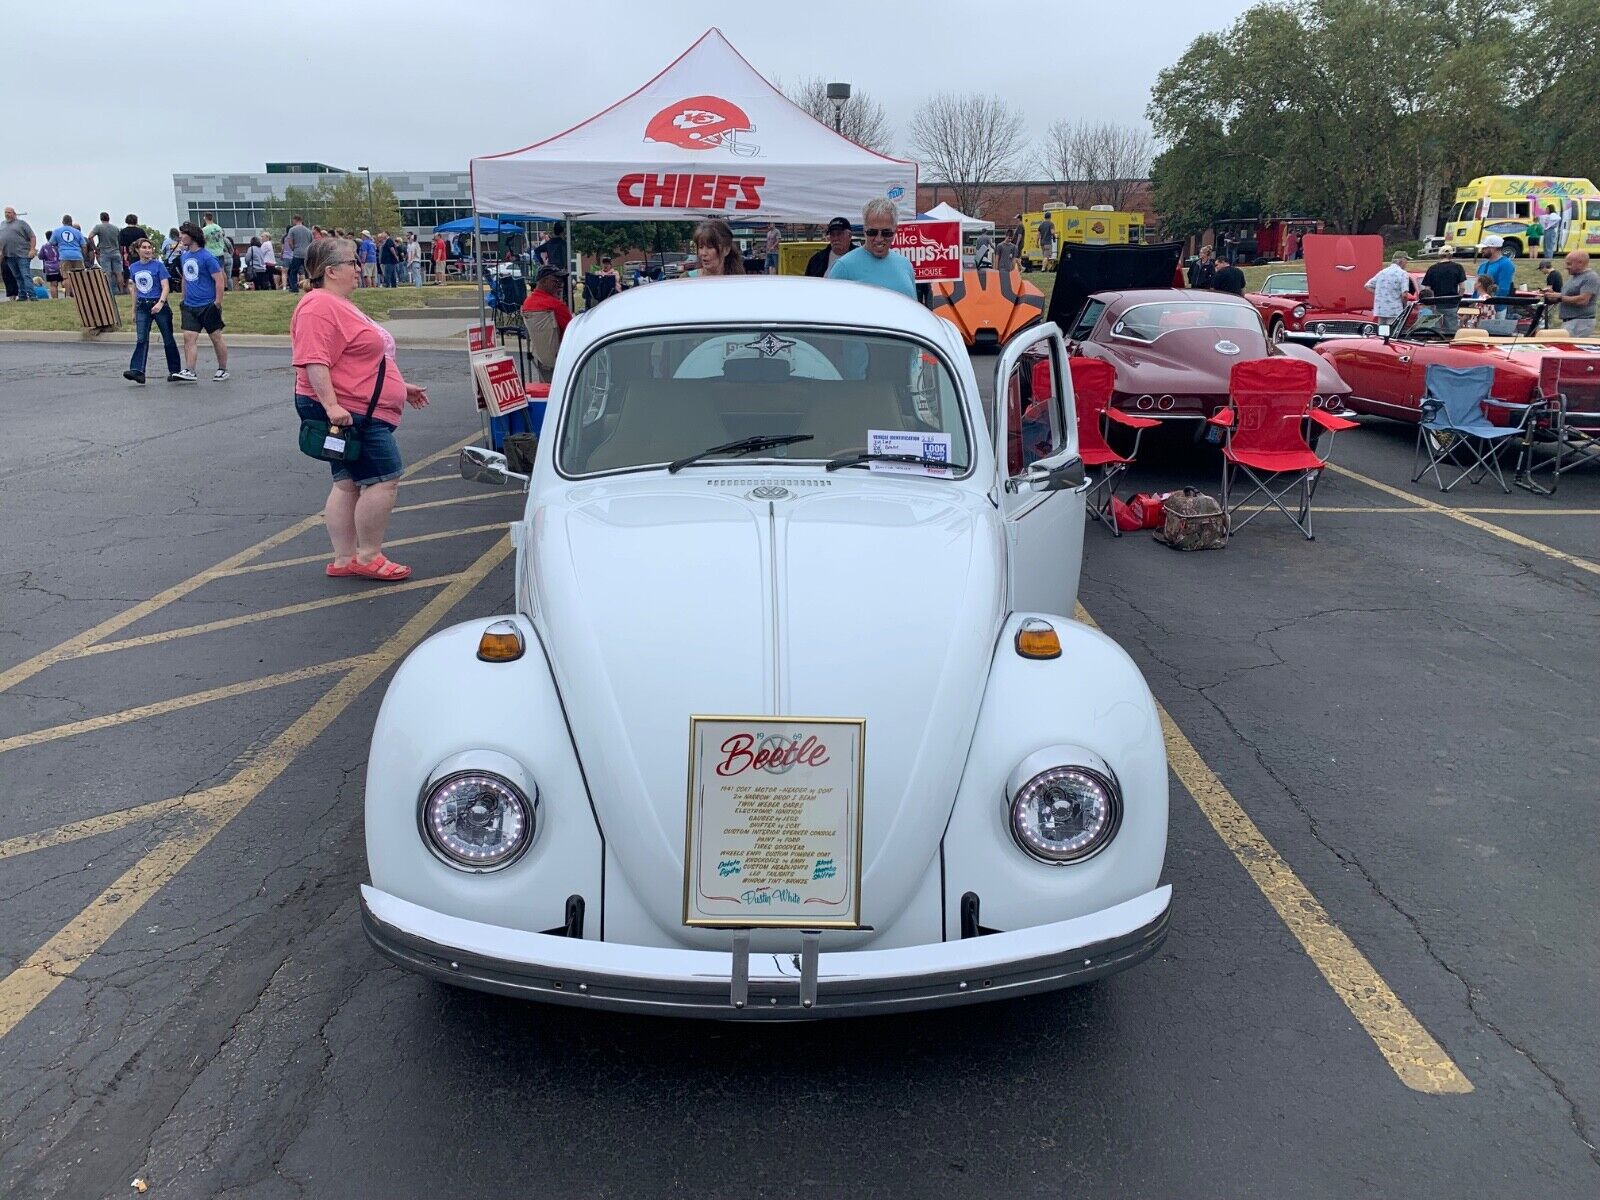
(222, 373)
(185, 376)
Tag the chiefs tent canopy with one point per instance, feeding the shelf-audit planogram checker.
(706, 135)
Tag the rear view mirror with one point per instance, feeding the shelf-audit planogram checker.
(479, 465)
(1384, 330)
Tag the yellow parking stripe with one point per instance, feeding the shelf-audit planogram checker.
(288, 610)
(177, 704)
(1466, 518)
(70, 648)
(389, 543)
(45, 969)
(453, 500)
(1412, 1053)
(76, 831)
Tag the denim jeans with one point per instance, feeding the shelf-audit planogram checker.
(416, 274)
(291, 272)
(391, 275)
(19, 268)
(142, 316)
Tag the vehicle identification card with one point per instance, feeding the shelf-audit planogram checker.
(901, 441)
(774, 822)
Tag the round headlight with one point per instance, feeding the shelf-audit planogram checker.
(1298, 311)
(477, 820)
(1066, 814)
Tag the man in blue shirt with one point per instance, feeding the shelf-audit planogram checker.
(71, 245)
(1497, 266)
(367, 253)
(203, 282)
(151, 285)
(873, 262)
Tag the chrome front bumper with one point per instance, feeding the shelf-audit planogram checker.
(697, 983)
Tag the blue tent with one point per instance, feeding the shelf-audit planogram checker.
(485, 225)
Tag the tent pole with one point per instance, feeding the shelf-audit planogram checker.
(477, 282)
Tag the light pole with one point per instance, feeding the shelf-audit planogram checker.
(838, 93)
(368, 173)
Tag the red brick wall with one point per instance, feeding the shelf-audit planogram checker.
(1001, 202)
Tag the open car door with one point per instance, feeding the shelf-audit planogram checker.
(1042, 478)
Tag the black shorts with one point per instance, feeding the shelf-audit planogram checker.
(202, 320)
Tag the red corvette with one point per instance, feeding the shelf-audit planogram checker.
(1386, 374)
(1335, 300)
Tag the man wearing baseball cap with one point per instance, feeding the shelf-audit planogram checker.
(548, 285)
(838, 246)
(1496, 265)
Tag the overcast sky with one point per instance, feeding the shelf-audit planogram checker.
(139, 92)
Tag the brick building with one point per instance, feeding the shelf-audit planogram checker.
(1001, 202)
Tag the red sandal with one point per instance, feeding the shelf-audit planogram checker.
(335, 571)
(379, 568)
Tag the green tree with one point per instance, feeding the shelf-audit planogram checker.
(1560, 112)
(594, 238)
(339, 201)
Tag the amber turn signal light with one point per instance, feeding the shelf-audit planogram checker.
(1037, 639)
(501, 642)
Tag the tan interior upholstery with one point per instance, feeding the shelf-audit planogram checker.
(1552, 335)
(663, 419)
(1472, 335)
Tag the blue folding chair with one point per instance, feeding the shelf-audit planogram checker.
(1455, 430)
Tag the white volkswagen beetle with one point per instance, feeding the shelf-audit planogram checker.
(792, 718)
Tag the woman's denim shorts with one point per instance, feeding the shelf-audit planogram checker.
(380, 455)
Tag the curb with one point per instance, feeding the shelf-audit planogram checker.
(242, 341)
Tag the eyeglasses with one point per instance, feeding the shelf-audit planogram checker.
(878, 233)
(341, 262)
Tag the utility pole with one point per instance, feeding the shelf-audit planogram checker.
(365, 171)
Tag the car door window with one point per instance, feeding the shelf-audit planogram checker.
(1087, 320)
(1035, 414)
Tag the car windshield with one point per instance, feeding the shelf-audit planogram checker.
(1148, 322)
(1285, 282)
(1443, 320)
(653, 398)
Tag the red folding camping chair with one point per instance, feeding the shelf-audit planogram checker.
(1269, 412)
(1093, 381)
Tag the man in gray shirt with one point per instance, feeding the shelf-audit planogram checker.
(108, 250)
(17, 246)
(1578, 296)
(296, 241)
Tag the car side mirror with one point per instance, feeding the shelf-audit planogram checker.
(1059, 478)
(479, 465)
(1385, 330)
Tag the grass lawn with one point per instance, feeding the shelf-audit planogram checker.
(244, 312)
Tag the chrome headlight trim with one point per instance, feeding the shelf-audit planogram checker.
(506, 772)
(1067, 760)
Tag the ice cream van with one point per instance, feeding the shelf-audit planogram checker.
(1506, 205)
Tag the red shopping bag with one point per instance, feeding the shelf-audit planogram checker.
(1146, 511)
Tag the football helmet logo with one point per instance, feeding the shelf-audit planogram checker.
(702, 123)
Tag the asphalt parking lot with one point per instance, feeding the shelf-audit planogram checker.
(1381, 977)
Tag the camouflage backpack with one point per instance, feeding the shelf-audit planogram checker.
(1193, 521)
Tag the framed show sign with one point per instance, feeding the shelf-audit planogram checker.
(773, 833)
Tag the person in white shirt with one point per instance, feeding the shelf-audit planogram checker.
(268, 279)
(414, 259)
(1389, 287)
(1550, 220)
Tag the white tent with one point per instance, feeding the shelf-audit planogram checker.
(945, 212)
(708, 135)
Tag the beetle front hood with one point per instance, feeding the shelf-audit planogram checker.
(851, 596)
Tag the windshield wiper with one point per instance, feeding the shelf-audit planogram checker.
(859, 457)
(747, 445)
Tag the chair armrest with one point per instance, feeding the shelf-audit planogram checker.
(1222, 418)
(1511, 404)
(1430, 407)
(1132, 422)
(1332, 423)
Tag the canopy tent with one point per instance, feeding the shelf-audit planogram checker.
(945, 212)
(708, 135)
(486, 226)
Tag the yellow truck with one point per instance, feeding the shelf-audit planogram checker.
(1506, 205)
(1097, 225)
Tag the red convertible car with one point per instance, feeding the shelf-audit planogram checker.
(1386, 374)
(1334, 300)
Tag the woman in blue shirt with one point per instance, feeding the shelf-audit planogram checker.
(151, 284)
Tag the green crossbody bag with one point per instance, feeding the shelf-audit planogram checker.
(338, 443)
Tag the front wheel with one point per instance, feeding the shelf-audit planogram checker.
(1275, 331)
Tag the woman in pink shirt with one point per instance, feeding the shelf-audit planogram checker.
(337, 352)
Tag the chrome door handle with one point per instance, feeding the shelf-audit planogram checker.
(1404, 358)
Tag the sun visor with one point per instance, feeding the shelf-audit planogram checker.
(1084, 270)
(1338, 266)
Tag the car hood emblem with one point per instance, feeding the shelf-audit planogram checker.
(1226, 347)
(769, 491)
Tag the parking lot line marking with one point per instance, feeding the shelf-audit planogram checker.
(446, 503)
(1410, 1050)
(177, 703)
(30, 667)
(1467, 518)
(25, 988)
(76, 831)
(389, 542)
(288, 610)
(431, 479)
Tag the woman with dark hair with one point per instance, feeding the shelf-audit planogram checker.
(713, 246)
(345, 373)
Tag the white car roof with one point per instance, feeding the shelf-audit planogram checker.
(744, 299)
